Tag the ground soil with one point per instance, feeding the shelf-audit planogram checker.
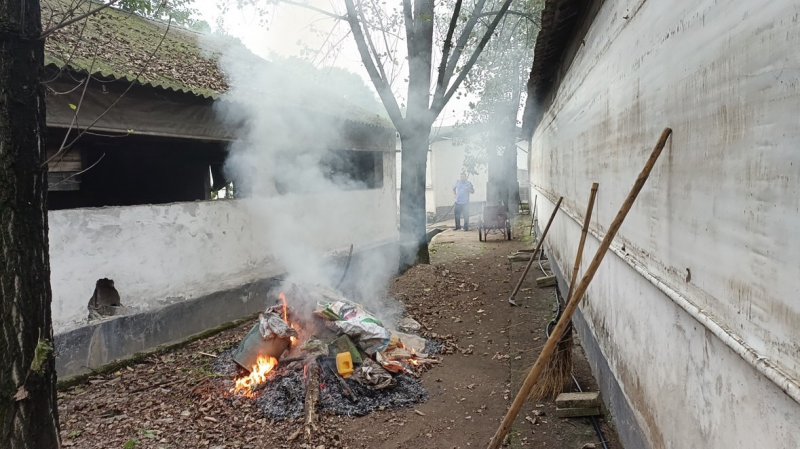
(170, 400)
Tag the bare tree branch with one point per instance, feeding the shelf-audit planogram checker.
(475, 54)
(382, 27)
(60, 153)
(448, 43)
(450, 67)
(408, 21)
(76, 19)
(315, 9)
(135, 80)
(381, 84)
(71, 54)
(375, 53)
(82, 171)
(512, 12)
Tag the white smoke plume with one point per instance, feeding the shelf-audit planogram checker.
(295, 200)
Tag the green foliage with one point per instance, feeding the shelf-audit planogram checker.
(42, 352)
(499, 79)
(181, 11)
(131, 444)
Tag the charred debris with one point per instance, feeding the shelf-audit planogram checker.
(318, 352)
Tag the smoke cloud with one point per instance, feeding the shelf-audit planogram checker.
(287, 164)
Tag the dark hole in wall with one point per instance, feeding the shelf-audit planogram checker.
(355, 169)
(348, 169)
(105, 300)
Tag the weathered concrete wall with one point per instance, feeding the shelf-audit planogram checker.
(714, 232)
(163, 254)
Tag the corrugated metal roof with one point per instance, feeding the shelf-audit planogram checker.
(116, 44)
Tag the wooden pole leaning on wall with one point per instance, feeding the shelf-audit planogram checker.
(574, 301)
(533, 255)
(584, 231)
(558, 371)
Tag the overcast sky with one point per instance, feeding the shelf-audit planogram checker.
(286, 30)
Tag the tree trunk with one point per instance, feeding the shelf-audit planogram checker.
(510, 152)
(413, 234)
(502, 157)
(414, 134)
(28, 413)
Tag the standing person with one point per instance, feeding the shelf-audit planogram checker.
(462, 189)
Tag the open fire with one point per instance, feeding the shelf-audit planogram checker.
(258, 376)
(265, 364)
(339, 357)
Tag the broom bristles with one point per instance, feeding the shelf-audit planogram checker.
(558, 372)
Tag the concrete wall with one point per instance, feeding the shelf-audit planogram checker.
(165, 254)
(694, 312)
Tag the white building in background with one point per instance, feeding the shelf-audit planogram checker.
(449, 147)
(692, 323)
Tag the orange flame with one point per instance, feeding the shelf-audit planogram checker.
(282, 297)
(258, 376)
(285, 308)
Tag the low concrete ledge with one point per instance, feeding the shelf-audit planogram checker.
(96, 344)
(90, 347)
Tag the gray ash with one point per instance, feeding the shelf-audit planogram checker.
(434, 347)
(225, 366)
(407, 391)
(284, 396)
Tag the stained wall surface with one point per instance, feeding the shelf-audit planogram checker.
(163, 254)
(707, 264)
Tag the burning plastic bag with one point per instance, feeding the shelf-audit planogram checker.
(272, 325)
(350, 319)
(269, 337)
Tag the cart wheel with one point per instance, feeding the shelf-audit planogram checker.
(508, 231)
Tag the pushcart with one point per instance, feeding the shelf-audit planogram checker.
(494, 220)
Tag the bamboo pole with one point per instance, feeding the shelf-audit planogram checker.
(559, 367)
(580, 290)
(533, 256)
(586, 220)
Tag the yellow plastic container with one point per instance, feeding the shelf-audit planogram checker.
(344, 364)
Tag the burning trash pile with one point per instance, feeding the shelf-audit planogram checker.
(335, 357)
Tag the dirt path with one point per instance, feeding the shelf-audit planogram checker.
(165, 401)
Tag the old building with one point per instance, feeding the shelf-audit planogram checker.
(137, 149)
(692, 323)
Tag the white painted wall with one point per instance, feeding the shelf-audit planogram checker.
(159, 254)
(723, 202)
(447, 164)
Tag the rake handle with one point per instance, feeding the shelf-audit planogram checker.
(573, 302)
(586, 220)
(533, 255)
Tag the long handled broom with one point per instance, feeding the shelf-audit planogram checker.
(533, 254)
(558, 371)
(547, 351)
